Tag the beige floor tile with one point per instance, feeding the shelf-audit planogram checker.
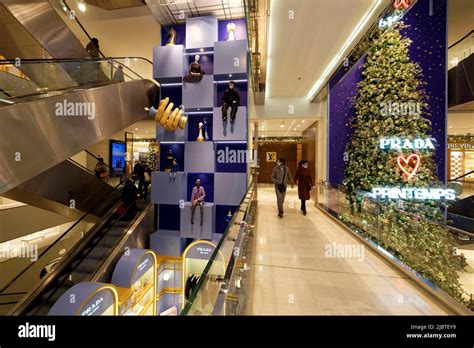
(292, 273)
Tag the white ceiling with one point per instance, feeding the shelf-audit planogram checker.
(302, 48)
(180, 10)
(284, 127)
(460, 19)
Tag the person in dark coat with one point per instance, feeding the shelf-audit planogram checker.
(305, 183)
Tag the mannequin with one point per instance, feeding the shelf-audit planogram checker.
(205, 123)
(230, 31)
(197, 199)
(171, 37)
(169, 160)
(230, 100)
(195, 73)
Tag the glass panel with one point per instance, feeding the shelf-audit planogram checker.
(212, 291)
(460, 50)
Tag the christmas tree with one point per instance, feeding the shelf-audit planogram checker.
(391, 82)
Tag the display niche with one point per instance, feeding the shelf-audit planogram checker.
(135, 279)
(195, 258)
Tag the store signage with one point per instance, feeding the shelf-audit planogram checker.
(204, 251)
(460, 146)
(407, 144)
(271, 156)
(231, 157)
(402, 4)
(93, 307)
(413, 193)
(409, 165)
(390, 20)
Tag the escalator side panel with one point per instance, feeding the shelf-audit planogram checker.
(46, 26)
(67, 184)
(33, 138)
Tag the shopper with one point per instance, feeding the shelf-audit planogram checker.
(129, 198)
(139, 172)
(93, 48)
(146, 181)
(197, 199)
(281, 176)
(100, 169)
(118, 74)
(305, 184)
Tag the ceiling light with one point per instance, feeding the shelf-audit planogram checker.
(146, 131)
(303, 121)
(269, 50)
(338, 57)
(136, 128)
(81, 5)
(294, 129)
(282, 125)
(166, 276)
(299, 125)
(202, 49)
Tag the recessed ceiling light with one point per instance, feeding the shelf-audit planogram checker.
(282, 125)
(202, 49)
(299, 125)
(136, 128)
(294, 129)
(81, 5)
(303, 121)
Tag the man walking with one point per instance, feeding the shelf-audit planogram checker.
(281, 176)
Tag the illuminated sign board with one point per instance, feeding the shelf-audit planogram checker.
(407, 144)
(413, 193)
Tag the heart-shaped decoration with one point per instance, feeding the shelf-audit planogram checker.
(405, 165)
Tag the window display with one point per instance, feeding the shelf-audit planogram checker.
(231, 99)
(231, 31)
(135, 275)
(195, 72)
(460, 156)
(197, 199)
(171, 37)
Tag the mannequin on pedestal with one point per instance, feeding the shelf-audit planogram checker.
(230, 31)
(195, 73)
(171, 37)
(230, 100)
(197, 199)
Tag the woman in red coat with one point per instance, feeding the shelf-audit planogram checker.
(303, 178)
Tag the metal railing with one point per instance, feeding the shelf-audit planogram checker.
(228, 295)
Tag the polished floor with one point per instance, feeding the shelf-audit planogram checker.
(309, 265)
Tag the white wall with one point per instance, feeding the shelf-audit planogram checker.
(121, 33)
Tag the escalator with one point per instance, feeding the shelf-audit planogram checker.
(38, 168)
(64, 263)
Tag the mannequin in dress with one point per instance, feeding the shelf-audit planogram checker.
(195, 73)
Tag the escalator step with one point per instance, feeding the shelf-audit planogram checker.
(87, 266)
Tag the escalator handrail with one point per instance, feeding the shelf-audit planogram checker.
(462, 176)
(43, 286)
(80, 60)
(59, 239)
(67, 60)
(81, 26)
(97, 158)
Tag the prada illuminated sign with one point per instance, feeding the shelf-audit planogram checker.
(407, 144)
